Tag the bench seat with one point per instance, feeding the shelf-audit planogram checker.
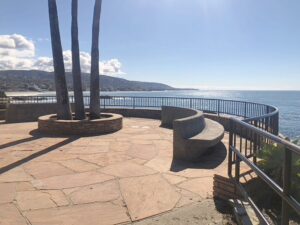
(211, 135)
(199, 144)
(193, 135)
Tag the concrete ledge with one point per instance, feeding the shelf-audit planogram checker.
(139, 113)
(109, 123)
(222, 119)
(2, 114)
(169, 114)
(18, 113)
(3, 105)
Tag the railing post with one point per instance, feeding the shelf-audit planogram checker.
(218, 107)
(277, 124)
(237, 168)
(287, 166)
(255, 145)
(190, 103)
(245, 112)
(229, 148)
(133, 104)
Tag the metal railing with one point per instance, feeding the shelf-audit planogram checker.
(260, 115)
(245, 143)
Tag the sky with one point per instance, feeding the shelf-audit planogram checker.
(206, 44)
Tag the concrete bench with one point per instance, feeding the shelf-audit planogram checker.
(193, 134)
(170, 113)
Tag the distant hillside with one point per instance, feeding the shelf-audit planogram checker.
(33, 80)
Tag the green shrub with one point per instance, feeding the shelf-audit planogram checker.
(297, 141)
(272, 158)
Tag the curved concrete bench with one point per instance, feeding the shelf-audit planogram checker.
(193, 135)
(170, 113)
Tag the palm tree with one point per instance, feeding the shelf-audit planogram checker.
(62, 96)
(76, 70)
(95, 86)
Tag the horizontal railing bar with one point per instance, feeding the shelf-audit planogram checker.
(270, 136)
(248, 111)
(291, 201)
(261, 117)
(147, 97)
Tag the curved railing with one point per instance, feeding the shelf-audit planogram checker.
(260, 115)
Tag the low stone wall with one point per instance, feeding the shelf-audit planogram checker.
(3, 105)
(222, 119)
(2, 114)
(31, 112)
(139, 113)
(107, 124)
(17, 113)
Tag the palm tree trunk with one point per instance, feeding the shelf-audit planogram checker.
(76, 70)
(95, 86)
(62, 96)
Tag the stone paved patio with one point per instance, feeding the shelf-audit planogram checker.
(111, 179)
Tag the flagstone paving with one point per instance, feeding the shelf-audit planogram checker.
(117, 178)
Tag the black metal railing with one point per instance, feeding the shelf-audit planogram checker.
(260, 115)
(246, 142)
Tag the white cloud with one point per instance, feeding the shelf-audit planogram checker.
(18, 53)
(16, 45)
(7, 63)
(112, 66)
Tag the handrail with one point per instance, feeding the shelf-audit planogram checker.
(260, 115)
(276, 111)
(276, 139)
(245, 142)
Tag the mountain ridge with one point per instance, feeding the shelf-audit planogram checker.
(37, 80)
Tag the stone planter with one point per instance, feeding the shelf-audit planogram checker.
(109, 123)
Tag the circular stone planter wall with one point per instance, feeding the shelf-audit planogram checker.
(108, 123)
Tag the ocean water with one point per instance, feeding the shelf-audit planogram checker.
(288, 102)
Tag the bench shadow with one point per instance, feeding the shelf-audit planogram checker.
(214, 157)
(166, 126)
(37, 154)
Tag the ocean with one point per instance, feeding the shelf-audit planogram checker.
(288, 102)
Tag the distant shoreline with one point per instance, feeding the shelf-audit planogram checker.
(31, 93)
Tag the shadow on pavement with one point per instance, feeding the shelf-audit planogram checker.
(37, 154)
(213, 158)
(13, 143)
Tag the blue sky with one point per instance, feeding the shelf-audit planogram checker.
(211, 44)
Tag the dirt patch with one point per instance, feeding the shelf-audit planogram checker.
(207, 212)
